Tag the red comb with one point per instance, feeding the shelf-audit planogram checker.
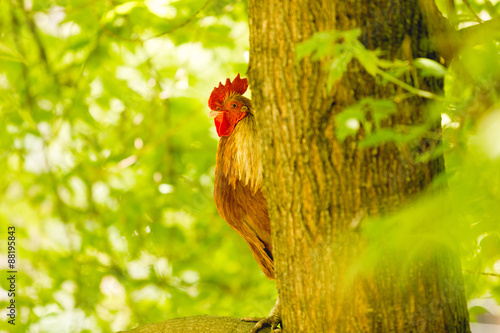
(219, 94)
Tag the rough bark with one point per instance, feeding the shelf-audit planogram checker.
(316, 186)
(198, 324)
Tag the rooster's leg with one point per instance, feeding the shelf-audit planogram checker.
(273, 320)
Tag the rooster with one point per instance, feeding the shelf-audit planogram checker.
(238, 178)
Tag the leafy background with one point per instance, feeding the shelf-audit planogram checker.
(107, 161)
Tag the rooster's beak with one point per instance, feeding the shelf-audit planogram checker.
(214, 113)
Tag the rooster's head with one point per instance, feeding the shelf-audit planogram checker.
(228, 105)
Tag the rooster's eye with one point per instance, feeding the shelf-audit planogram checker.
(233, 105)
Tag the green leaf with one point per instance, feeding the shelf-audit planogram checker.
(382, 108)
(348, 121)
(338, 67)
(9, 53)
(367, 58)
(319, 43)
(381, 136)
(429, 67)
(476, 311)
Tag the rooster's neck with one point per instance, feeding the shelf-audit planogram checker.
(238, 155)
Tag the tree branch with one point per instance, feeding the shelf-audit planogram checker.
(205, 324)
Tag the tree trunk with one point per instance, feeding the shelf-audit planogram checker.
(318, 188)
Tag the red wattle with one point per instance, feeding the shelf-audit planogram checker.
(225, 122)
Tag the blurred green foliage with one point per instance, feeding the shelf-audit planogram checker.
(107, 159)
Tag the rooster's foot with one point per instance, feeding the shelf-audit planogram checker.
(273, 320)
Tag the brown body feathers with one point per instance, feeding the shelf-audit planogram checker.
(238, 190)
(238, 172)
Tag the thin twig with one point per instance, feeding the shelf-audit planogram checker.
(24, 68)
(139, 40)
(466, 2)
(406, 86)
(30, 102)
(36, 37)
(482, 273)
(189, 20)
